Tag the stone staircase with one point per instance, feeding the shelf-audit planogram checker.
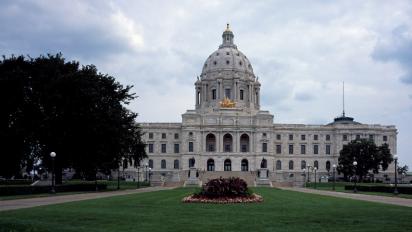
(249, 177)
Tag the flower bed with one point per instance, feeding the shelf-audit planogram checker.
(223, 200)
(224, 191)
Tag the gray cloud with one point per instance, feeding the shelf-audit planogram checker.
(303, 97)
(398, 48)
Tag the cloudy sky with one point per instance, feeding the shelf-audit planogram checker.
(302, 51)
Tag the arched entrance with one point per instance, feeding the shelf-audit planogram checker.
(244, 143)
(210, 165)
(244, 166)
(227, 143)
(210, 143)
(227, 165)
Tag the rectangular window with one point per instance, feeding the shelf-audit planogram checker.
(290, 137)
(290, 149)
(303, 137)
(244, 148)
(345, 137)
(357, 136)
(327, 149)
(327, 137)
(227, 93)
(214, 94)
(176, 148)
(278, 149)
(302, 149)
(385, 138)
(150, 135)
(278, 137)
(151, 148)
(315, 149)
(315, 137)
(163, 148)
(190, 146)
(241, 94)
(371, 137)
(163, 135)
(264, 147)
(176, 136)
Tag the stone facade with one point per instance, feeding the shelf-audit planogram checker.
(240, 139)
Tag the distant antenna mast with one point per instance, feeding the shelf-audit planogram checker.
(343, 99)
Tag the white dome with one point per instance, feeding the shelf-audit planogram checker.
(227, 59)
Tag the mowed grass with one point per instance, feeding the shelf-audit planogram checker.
(163, 211)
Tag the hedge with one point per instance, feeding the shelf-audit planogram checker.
(380, 188)
(23, 190)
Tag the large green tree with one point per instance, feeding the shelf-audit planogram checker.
(74, 111)
(369, 158)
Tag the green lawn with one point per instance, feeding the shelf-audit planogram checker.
(163, 211)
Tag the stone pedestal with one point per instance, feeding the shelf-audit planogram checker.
(263, 178)
(193, 179)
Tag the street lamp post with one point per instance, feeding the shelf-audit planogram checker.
(150, 174)
(304, 177)
(138, 176)
(315, 168)
(145, 173)
(118, 177)
(395, 191)
(334, 177)
(308, 167)
(355, 179)
(53, 155)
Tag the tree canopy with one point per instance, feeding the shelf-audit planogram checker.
(368, 156)
(53, 105)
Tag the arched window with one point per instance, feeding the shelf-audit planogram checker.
(244, 143)
(244, 166)
(150, 163)
(210, 165)
(290, 164)
(176, 164)
(227, 142)
(210, 143)
(278, 165)
(302, 164)
(228, 165)
(192, 162)
(328, 165)
(264, 163)
(163, 164)
(316, 164)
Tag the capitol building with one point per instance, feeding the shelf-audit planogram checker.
(228, 134)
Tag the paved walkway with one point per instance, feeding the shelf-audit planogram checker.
(357, 196)
(38, 201)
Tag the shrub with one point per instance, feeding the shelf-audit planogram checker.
(225, 187)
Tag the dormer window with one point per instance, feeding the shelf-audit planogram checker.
(227, 62)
